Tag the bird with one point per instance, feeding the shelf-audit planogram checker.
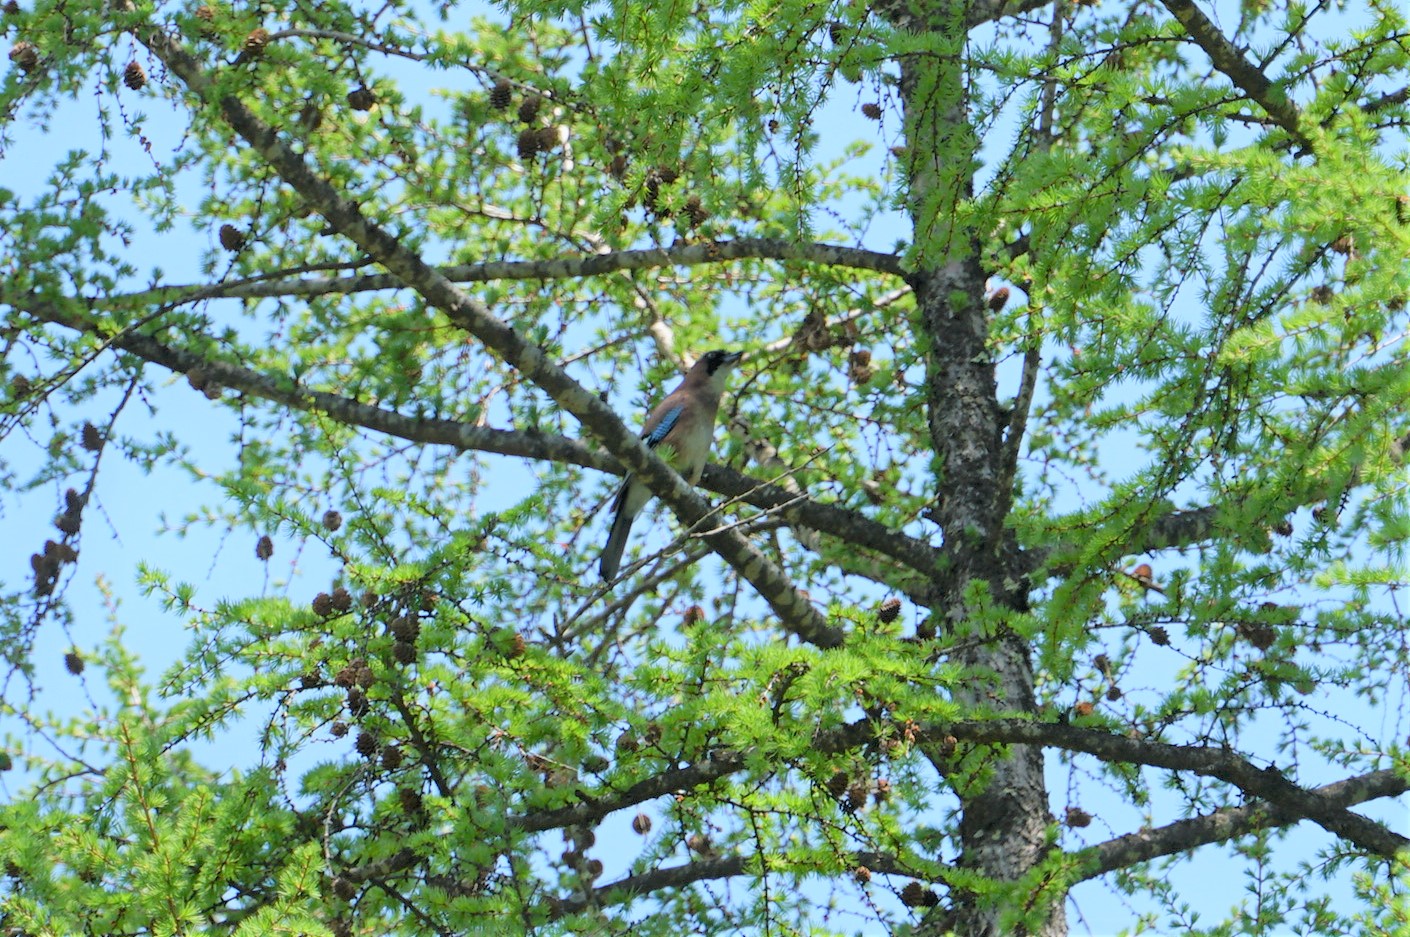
(683, 425)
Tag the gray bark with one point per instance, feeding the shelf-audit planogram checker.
(1005, 817)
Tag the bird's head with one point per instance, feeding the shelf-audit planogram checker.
(714, 366)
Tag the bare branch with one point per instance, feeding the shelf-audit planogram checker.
(1018, 419)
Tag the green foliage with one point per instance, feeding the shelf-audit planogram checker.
(394, 698)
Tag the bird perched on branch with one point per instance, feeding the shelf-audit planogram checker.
(682, 426)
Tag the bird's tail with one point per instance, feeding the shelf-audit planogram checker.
(616, 542)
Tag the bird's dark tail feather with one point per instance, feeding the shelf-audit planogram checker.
(616, 543)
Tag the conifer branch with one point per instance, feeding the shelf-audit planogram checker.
(551, 268)
(795, 611)
(703, 870)
(987, 11)
(1229, 823)
(1287, 800)
(831, 519)
(1243, 73)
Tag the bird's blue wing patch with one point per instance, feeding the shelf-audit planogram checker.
(658, 432)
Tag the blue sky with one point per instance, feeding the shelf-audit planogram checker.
(136, 513)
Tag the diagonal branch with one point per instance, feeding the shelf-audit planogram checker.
(345, 410)
(1389, 99)
(795, 611)
(1243, 73)
(851, 527)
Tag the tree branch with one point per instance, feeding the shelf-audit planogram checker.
(1243, 73)
(625, 889)
(1227, 823)
(1179, 529)
(987, 11)
(717, 764)
(1390, 99)
(1280, 800)
(848, 525)
(795, 611)
(1269, 784)
(288, 392)
(1173, 529)
(1018, 421)
(1326, 806)
(552, 268)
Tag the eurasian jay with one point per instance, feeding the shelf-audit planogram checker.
(684, 425)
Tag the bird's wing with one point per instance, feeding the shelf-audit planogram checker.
(659, 431)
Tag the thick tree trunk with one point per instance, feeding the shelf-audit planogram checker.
(1005, 819)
